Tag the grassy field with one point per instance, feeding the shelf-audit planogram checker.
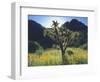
(54, 57)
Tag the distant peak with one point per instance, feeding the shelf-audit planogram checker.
(34, 23)
(74, 20)
(75, 25)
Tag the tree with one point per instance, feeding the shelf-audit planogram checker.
(62, 37)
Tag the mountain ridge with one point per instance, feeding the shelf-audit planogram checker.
(36, 33)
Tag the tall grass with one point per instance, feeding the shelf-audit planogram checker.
(54, 57)
(48, 57)
(79, 56)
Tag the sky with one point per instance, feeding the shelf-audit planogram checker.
(46, 21)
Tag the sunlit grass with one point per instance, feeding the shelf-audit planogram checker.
(54, 57)
(48, 57)
(79, 56)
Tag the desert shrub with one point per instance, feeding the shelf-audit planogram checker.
(79, 56)
(33, 46)
(70, 52)
(39, 51)
(84, 46)
(38, 48)
(55, 46)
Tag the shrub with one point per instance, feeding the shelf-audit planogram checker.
(70, 52)
(79, 56)
(39, 51)
(84, 46)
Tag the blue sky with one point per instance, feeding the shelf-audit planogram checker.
(46, 21)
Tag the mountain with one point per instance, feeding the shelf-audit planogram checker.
(36, 34)
(75, 25)
(35, 30)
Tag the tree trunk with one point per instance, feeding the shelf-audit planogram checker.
(63, 58)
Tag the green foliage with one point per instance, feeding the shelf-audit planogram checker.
(39, 49)
(55, 46)
(34, 46)
(69, 52)
(84, 46)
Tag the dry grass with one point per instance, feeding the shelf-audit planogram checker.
(48, 57)
(79, 56)
(54, 57)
